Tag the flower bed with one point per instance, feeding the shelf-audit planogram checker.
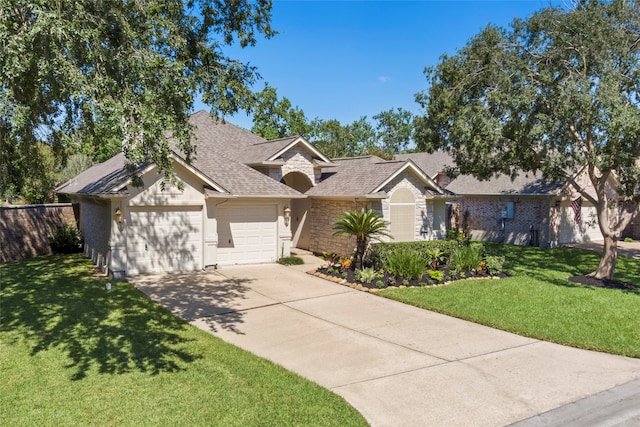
(415, 264)
(386, 280)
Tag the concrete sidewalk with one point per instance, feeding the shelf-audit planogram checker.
(397, 364)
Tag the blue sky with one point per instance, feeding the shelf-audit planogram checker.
(347, 59)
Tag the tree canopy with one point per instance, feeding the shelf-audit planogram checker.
(118, 75)
(555, 93)
(390, 133)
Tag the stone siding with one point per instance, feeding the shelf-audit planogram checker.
(25, 230)
(298, 160)
(425, 229)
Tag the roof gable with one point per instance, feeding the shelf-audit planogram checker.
(365, 176)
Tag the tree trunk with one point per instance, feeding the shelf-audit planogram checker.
(608, 261)
(361, 246)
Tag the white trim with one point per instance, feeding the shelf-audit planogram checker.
(417, 171)
(302, 141)
(148, 168)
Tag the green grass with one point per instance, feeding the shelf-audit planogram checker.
(72, 353)
(539, 302)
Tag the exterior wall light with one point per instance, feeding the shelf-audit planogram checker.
(118, 215)
(287, 215)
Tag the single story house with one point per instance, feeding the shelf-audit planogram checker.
(243, 200)
(526, 210)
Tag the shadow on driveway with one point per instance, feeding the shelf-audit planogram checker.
(204, 296)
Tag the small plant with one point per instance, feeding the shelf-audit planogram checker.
(345, 263)
(435, 275)
(406, 264)
(291, 260)
(466, 257)
(331, 270)
(380, 284)
(494, 264)
(367, 275)
(437, 256)
(344, 274)
(66, 239)
(405, 282)
(330, 258)
(628, 239)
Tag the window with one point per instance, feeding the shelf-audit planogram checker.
(403, 215)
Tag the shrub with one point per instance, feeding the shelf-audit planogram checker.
(380, 251)
(467, 257)
(494, 264)
(66, 239)
(436, 275)
(406, 264)
(367, 275)
(291, 260)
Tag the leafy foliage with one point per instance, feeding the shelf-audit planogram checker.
(553, 94)
(380, 251)
(367, 275)
(467, 257)
(66, 239)
(406, 264)
(364, 225)
(82, 69)
(494, 264)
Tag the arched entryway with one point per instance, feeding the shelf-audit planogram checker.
(299, 209)
(403, 215)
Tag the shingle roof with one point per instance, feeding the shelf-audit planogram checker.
(104, 178)
(356, 177)
(430, 163)
(216, 143)
(523, 184)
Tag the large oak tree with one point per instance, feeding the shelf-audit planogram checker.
(119, 73)
(556, 93)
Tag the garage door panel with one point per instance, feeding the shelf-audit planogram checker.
(247, 234)
(165, 240)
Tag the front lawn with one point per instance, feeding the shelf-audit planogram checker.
(539, 302)
(73, 353)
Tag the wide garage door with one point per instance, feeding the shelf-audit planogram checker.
(247, 234)
(164, 239)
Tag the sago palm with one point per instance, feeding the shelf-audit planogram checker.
(365, 225)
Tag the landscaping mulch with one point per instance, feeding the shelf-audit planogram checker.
(347, 277)
(603, 283)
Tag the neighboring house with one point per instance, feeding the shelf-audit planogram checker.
(526, 210)
(244, 200)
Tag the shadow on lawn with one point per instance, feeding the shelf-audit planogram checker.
(557, 264)
(53, 302)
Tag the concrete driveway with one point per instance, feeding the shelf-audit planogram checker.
(398, 365)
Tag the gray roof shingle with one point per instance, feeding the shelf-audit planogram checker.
(356, 177)
(431, 163)
(523, 184)
(216, 143)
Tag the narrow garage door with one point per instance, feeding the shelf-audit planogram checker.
(586, 230)
(163, 239)
(246, 234)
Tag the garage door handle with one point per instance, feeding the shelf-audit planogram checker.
(145, 246)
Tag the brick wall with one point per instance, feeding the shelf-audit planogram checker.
(25, 230)
(485, 224)
(322, 215)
